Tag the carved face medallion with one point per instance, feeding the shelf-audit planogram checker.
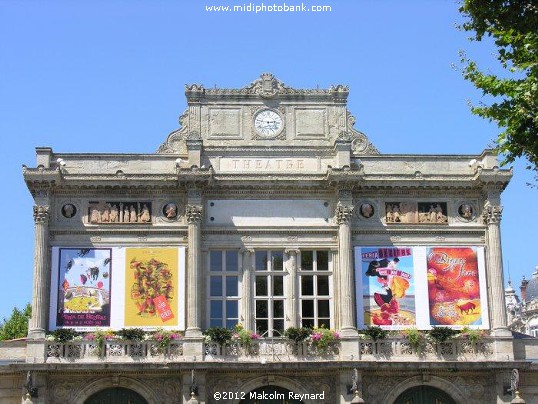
(267, 123)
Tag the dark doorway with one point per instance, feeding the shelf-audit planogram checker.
(424, 395)
(270, 395)
(116, 395)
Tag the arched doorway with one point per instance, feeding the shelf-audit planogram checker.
(424, 395)
(270, 395)
(116, 395)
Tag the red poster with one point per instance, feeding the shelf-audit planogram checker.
(163, 308)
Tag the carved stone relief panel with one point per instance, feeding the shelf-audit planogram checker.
(225, 123)
(467, 211)
(416, 212)
(116, 212)
(311, 123)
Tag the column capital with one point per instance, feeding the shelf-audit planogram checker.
(245, 250)
(291, 251)
(41, 214)
(193, 213)
(492, 214)
(343, 213)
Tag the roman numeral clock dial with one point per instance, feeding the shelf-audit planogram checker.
(268, 123)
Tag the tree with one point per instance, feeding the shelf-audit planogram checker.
(513, 26)
(17, 325)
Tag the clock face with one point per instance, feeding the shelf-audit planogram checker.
(267, 122)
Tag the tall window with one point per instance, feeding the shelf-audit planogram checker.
(269, 293)
(223, 289)
(315, 285)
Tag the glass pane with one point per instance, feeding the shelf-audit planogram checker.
(307, 260)
(324, 322)
(307, 285)
(261, 260)
(215, 322)
(230, 324)
(278, 286)
(231, 286)
(216, 310)
(231, 309)
(215, 286)
(261, 286)
(307, 308)
(307, 323)
(231, 261)
(261, 309)
(278, 325)
(322, 260)
(277, 260)
(262, 326)
(278, 308)
(323, 286)
(215, 261)
(323, 308)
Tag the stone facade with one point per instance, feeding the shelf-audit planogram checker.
(268, 190)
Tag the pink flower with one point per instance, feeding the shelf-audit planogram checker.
(254, 336)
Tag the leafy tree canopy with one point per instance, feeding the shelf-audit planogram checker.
(513, 26)
(17, 325)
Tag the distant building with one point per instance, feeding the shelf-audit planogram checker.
(523, 313)
(269, 209)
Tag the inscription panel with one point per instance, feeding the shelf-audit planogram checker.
(266, 164)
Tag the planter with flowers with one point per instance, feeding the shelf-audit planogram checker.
(323, 341)
(220, 341)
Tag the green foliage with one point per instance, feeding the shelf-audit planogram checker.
(220, 335)
(513, 26)
(415, 338)
(472, 334)
(16, 326)
(442, 334)
(375, 332)
(64, 334)
(297, 334)
(323, 339)
(131, 334)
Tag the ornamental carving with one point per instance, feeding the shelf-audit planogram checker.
(413, 212)
(115, 212)
(492, 214)
(343, 213)
(41, 214)
(360, 144)
(193, 213)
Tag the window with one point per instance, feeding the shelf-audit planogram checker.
(223, 289)
(269, 293)
(315, 286)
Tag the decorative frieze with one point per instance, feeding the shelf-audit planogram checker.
(416, 212)
(119, 212)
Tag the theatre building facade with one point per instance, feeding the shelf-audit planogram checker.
(265, 213)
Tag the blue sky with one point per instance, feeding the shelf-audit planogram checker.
(109, 76)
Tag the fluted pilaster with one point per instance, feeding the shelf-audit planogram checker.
(193, 214)
(246, 283)
(292, 318)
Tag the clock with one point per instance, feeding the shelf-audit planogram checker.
(268, 123)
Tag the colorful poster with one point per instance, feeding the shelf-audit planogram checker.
(84, 287)
(388, 286)
(151, 285)
(453, 286)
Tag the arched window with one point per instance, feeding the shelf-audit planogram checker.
(116, 395)
(270, 395)
(424, 395)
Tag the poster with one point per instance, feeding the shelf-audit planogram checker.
(453, 286)
(84, 277)
(151, 285)
(388, 286)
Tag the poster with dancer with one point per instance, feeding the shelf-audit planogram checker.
(83, 298)
(388, 286)
(454, 286)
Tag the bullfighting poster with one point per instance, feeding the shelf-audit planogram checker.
(151, 287)
(83, 287)
(454, 286)
(388, 286)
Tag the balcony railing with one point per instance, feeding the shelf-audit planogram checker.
(114, 351)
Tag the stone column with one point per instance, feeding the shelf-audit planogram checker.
(293, 302)
(246, 293)
(193, 213)
(492, 218)
(345, 268)
(38, 322)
